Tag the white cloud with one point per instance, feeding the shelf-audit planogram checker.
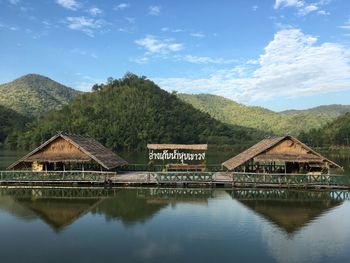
(346, 25)
(154, 10)
(293, 64)
(86, 25)
(205, 60)
(285, 3)
(121, 6)
(84, 53)
(255, 7)
(197, 34)
(140, 60)
(302, 7)
(69, 4)
(95, 11)
(13, 2)
(154, 45)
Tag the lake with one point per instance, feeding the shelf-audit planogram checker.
(173, 225)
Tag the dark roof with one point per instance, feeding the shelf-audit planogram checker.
(198, 147)
(87, 145)
(266, 144)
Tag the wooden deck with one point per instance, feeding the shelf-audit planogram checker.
(177, 179)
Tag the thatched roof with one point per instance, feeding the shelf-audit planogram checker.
(196, 147)
(258, 153)
(83, 149)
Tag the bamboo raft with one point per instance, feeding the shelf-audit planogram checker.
(177, 179)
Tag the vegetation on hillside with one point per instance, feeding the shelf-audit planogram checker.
(129, 113)
(33, 95)
(335, 133)
(259, 118)
(332, 111)
(10, 121)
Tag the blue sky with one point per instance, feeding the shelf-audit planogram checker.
(278, 54)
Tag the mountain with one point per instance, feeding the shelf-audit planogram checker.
(129, 113)
(333, 110)
(9, 122)
(335, 133)
(33, 95)
(259, 118)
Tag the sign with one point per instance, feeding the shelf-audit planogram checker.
(176, 155)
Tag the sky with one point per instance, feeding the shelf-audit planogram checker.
(278, 54)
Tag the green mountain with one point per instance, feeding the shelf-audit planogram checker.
(333, 110)
(129, 113)
(259, 118)
(9, 122)
(334, 133)
(33, 95)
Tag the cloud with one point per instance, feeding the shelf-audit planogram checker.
(154, 10)
(346, 25)
(198, 34)
(293, 64)
(69, 4)
(121, 6)
(13, 2)
(255, 7)
(85, 25)
(286, 3)
(140, 60)
(95, 11)
(84, 53)
(205, 60)
(154, 45)
(302, 7)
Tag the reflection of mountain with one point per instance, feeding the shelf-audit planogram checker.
(58, 213)
(289, 210)
(128, 207)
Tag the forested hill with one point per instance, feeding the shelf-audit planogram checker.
(333, 110)
(129, 113)
(33, 95)
(9, 122)
(259, 118)
(332, 134)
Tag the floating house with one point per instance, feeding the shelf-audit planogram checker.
(284, 154)
(66, 152)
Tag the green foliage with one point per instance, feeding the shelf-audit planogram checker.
(129, 113)
(10, 121)
(34, 95)
(259, 118)
(335, 133)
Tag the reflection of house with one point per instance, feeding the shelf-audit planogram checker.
(290, 214)
(283, 154)
(59, 213)
(65, 151)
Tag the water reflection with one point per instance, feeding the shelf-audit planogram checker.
(290, 210)
(174, 225)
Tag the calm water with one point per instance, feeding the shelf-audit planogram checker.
(172, 225)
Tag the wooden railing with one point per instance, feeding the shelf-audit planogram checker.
(289, 179)
(182, 177)
(55, 175)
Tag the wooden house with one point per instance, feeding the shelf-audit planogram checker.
(66, 151)
(284, 154)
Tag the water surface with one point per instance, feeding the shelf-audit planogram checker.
(173, 225)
